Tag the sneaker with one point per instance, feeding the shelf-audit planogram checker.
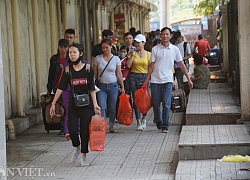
(84, 161)
(158, 125)
(76, 155)
(143, 123)
(164, 130)
(139, 127)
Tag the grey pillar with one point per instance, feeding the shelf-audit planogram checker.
(225, 65)
(2, 119)
(212, 31)
(244, 54)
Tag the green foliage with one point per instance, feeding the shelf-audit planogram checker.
(154, 16)
(206, 7)
(187, 9)
(181, 10)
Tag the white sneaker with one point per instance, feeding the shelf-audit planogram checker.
(84, 161)
(143, 123)
(76, 155)
(139, 127)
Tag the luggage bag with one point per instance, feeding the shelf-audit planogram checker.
(178, 101)
(45, 100)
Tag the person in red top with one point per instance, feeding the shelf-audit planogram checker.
(56, 71)
(201, 46)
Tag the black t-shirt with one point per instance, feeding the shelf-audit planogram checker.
(81, 81)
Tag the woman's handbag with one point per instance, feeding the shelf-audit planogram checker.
(124, 68)
(59, 112)
(81, 100)
(97, 133)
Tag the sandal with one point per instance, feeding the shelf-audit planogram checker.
(111, 129)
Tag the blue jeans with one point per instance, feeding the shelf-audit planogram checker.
(186, 62)
(134, 79)
(179, 75)
(108, 92)
(161, 93)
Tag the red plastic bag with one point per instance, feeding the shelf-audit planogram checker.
(97, 133)
(125, 111)
(142, 99)
(125, 70)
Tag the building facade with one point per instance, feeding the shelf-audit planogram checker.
(32, 28)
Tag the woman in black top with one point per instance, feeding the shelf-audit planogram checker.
(82, 82)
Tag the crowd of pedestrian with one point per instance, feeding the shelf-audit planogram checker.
(151, 58)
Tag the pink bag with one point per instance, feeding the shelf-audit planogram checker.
(125, 70)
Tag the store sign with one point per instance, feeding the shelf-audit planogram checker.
(154, 25)
(119, 18)
(120, 26)
(204, 21)
(189, 31)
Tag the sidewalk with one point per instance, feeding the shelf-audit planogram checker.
(128, 154)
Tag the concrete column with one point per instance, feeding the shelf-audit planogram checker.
(112, 20)
(225, 65)
(142, 21)
(38, 59)
(17, 58)
(52, 16)
(126, 15)
(59, 23)
(130, 21)
(212, 31)
(147, 22)
(64, 15)
(2, 117)
(87, 31)
(94, 22)
(164, 13)
(244, 54)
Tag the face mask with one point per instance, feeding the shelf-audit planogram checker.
(77, 61)
(123, 55)
(157, 37)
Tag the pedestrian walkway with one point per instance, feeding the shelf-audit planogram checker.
(214, 105)
(128, 154)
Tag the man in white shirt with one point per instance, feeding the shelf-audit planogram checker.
(160, 75)
(185, 51)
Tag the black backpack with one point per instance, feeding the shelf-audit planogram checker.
(185, 47)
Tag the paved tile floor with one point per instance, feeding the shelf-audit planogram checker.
(214, 135)
(217, 98)
(212, 169)
(128, 154)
